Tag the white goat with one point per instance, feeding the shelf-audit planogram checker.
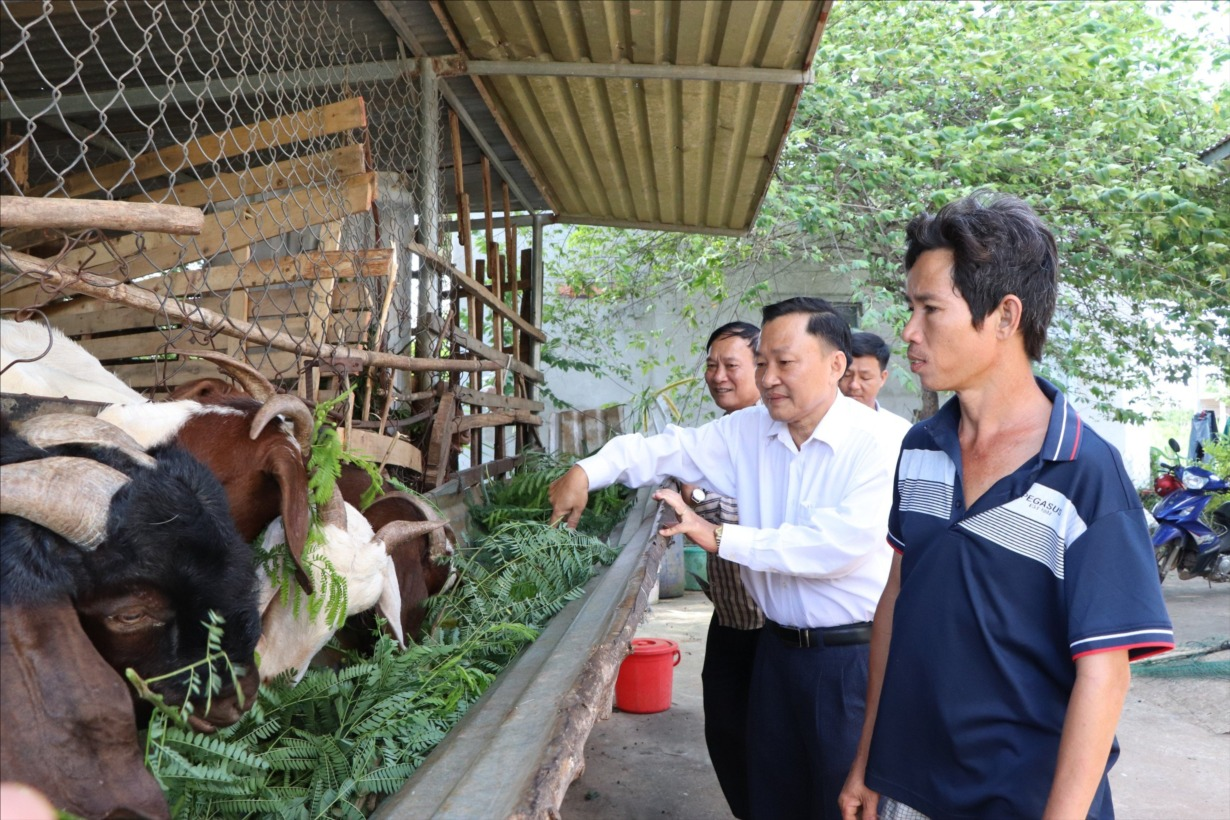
(361, 556)
(66, 371)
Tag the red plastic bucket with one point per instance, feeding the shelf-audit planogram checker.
(644, 682)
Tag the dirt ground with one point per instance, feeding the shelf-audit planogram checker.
(1175, 732)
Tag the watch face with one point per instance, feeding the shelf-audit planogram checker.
(698, 495)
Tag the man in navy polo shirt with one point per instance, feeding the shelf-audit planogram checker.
(1024, 579)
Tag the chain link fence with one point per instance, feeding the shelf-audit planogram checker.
(281, 119)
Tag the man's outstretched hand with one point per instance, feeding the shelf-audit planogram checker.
(568, 495)
(691, 526)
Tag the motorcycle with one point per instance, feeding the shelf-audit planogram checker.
(1182, 540)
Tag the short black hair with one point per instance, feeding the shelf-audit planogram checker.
(744, 330)
(1000, 247)
(869, 344)
(825, 322)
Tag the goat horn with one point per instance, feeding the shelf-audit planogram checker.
(333, 511)
(251, 379)
(295, 410)
(396, 532)
(72, 428)
(69, 496)
(441, 544)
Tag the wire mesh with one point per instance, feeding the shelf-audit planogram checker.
(273, 116)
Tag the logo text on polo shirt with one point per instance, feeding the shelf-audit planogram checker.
(1038, 525)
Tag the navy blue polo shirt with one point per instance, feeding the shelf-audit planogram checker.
(996, 603)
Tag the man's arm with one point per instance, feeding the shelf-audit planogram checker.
(858, 802)
(1097, 699)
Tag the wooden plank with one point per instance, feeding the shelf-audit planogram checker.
(385, 449)
(470, 285)
(301, 125)
(484, 399)
(491, 469)
(41, 212)
(297, 172)
(229, 230)
(15, 263)
(482, 420)
(144, 375)
(440, 448)
(265, 272)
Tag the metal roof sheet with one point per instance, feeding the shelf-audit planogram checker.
(653, 151)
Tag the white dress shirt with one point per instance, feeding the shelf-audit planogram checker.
(812, 539)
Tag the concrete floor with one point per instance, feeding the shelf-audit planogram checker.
(1175, 732)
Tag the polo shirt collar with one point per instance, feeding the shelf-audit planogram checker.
(1063, 434)
(1063, 431)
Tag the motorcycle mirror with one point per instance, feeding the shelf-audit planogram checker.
(1174, 445)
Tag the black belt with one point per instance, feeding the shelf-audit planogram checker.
(844, 635)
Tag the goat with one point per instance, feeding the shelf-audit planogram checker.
(69, 727)
(290, 635)
(423, 566)
(65, 370)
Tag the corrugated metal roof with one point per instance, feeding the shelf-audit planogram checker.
(656, 153)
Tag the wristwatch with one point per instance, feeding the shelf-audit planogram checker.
(698, 495)
(717, 537)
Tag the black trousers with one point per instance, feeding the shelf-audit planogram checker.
(726, 681)
(806, 714)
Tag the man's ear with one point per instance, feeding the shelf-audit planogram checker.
(839, 364)
(1008, 316)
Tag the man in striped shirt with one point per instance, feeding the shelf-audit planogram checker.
(1024, 580)
(730, 646)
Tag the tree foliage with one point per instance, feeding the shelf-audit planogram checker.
(1096, 113)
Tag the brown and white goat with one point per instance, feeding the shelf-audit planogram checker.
(423, 565)
(291, 635)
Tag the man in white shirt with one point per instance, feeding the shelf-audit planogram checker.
(813, 474)
(866, 376)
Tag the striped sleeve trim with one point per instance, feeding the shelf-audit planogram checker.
(897, 545)
(1140, 643)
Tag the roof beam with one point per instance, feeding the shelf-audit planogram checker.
(389, 10)
(68, 105)
(623, 71)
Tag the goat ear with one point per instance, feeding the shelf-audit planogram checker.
(389, 604)
(287, 468)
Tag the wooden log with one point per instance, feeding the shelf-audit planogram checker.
(134, 296)
(43, 212)
(468, 284)
(301, 125)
